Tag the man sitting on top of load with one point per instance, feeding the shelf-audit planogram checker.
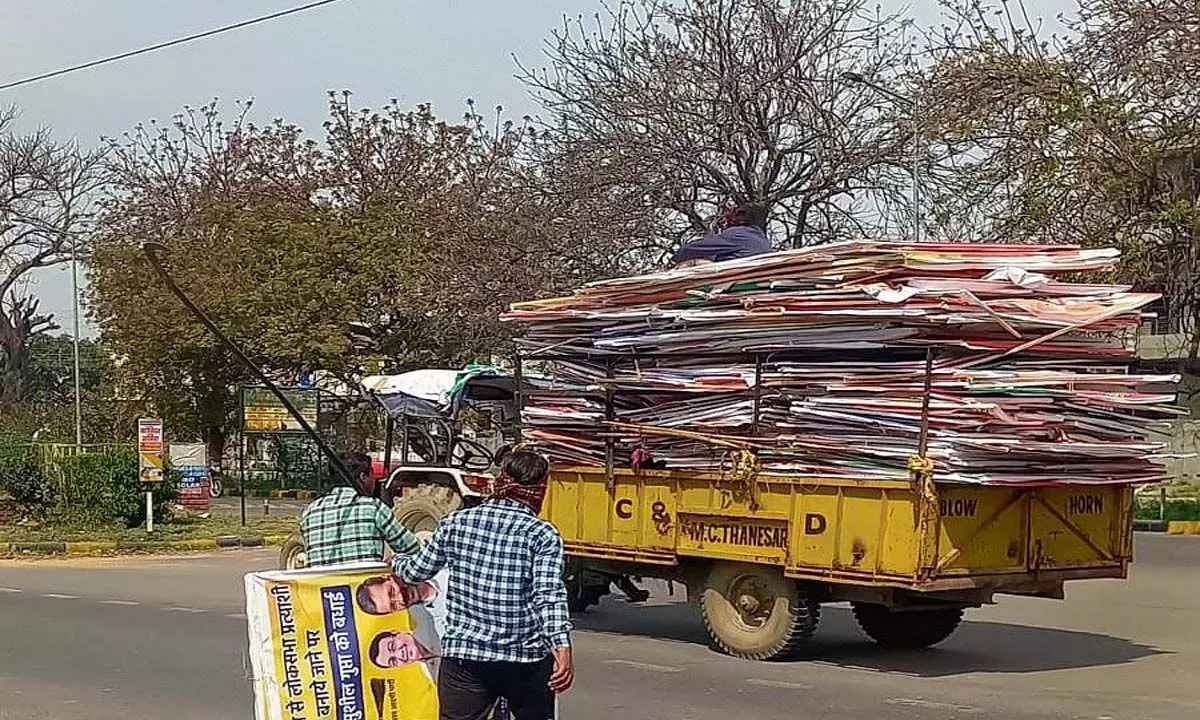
(745, 235)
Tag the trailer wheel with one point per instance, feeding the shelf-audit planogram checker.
(907, 630)
(420, 508)
(292, 555)
(753, 612)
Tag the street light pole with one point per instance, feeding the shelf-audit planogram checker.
(915, 170)
(75, 320)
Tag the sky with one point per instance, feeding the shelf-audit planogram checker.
(439, 51)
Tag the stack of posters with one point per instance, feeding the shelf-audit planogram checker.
(818, 359)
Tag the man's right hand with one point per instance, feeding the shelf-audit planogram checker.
(564, 670)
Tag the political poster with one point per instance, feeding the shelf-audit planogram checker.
(347, 643)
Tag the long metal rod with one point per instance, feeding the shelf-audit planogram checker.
(915, 120)
(916, 171)
(389, 438)
(153, 252)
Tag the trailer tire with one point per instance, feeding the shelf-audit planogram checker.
(292, 555)
(754, 612)
(910, 630)
(420, 508)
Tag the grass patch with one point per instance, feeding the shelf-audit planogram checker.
(177, 528)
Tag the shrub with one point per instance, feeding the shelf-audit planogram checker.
(1177, 509)
(21, 478)
(103, 487)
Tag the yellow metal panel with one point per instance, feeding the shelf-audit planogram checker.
(733, 538)
(1072, 526)
(858, 529)
(814, 530)
(898, 545)
(981, 529)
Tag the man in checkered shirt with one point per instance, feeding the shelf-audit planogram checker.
(508, 631)
(350, 525)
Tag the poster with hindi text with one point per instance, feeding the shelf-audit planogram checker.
(347, 643)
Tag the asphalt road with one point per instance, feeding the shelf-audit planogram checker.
(258, 507)
(152, 638)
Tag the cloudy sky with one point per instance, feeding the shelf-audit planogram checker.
(439, 51)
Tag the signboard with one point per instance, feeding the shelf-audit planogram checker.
(263, 413)
(190, 460)
(150, 450)
(355, 643)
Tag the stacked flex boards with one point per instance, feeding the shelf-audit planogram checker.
(817, 359)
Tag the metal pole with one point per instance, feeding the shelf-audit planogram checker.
(916, 171)
(923, 438)
(75, 343)
(911, 104)
(389, 438)
(149, 511)
(242, 451)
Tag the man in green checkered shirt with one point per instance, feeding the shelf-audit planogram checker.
(351, 525)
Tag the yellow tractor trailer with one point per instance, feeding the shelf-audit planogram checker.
(762, 553)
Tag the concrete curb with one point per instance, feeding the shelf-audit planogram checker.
(275, 494)
(1183, 527)
(93, 547)
(1156, 526)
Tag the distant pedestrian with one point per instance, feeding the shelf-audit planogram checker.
(508, 631)
(349, 524)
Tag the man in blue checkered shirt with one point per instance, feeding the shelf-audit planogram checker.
(508, 631)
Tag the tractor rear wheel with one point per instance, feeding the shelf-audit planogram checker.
(420, 508)
(754, 612)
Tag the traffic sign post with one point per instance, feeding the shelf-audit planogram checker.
(150, 462)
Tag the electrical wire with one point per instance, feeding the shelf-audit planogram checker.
(163, 45)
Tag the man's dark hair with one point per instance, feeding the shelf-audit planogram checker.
(525, 468)
(364, 595)
(749, 215)
(358, 464)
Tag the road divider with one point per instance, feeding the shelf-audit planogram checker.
(1183, 527)
(16, 549)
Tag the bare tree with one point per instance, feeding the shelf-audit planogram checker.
(683, 106)
(1092, 138)
(44, 210)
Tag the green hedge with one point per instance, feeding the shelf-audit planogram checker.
(99, 487)
(103, 487)
(1176, 510)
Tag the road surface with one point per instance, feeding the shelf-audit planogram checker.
(150, 638)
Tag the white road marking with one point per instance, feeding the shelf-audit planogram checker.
(917, 702)
(186, 610)
(118, 602)
(236, 616)
(56, 596)
(645, 666)
(11, 590)
(779, 684)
